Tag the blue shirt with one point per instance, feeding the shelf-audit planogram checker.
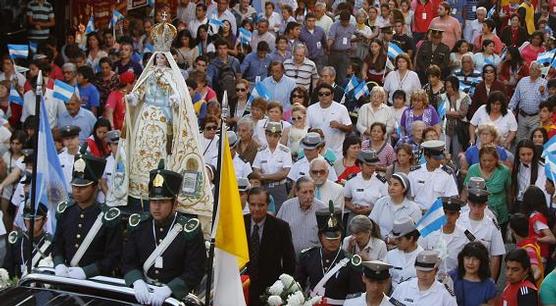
(84, 119)
(457, 9)
(470, 293)
(315, 42)
(120, 68)
(254, 66)
(472, 154)
(89, 96)
(527, 95)
(280, 91)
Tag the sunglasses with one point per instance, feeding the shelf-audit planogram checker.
(211, 128)
(297, 118)
(276, 135)
(297, 96)
(318, 172)
(241, 89)
(325, 94)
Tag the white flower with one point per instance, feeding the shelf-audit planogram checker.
(274, 300)
(296, 299)
(287, 280)
(4, 275)
(276, 289)
(315, 300)
(46, 262)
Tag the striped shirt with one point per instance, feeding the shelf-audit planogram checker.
(39, 12)
(302, 74)
(468, 82)
(303, 223)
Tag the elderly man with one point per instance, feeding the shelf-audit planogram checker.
(280, 87)
(299, 212)
(262, 34)
(247, 146)
(324, 21)
(528, 95)
(416, 137)
(474, 27)
(312, 145)
(468, 76)
(326, 190)
(301, 69)
(241, 166)
(70, 73)
(78, 116)
(328, 76)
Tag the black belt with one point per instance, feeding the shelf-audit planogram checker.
(524, 114)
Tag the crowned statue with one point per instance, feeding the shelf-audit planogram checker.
(160, 124)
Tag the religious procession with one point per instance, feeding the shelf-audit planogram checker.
(278, 153)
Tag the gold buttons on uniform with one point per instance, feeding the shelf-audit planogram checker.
(159, 240)
(161, 229)
(78, 236)
(156, 272)
(82, 216)
(76, 245)
(79, 225)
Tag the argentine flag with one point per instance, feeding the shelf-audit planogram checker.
(433, 220)
(215, 24)
(245, 36)
(259, 91)
(361, 90)
(550, 167)
(116, 16)
(90, 26)
(148, 48)
(15, 97)
(33, 46)
(18, 51)
(63, 91)
(352, 84)
(441, 109)
(547, 58)
(394, 50)
(549, 147)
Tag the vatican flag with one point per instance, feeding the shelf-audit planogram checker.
(231, 250)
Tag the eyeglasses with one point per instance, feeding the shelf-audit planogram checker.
(297, 118)
(297, 96)
(318, 172)
(325, 94)
(241, 89)
(211, 127)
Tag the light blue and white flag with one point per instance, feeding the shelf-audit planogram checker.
(33, 46)
(491, 12)
(433, 220)
(18, 51)
(549, 147)
(546, 57)
(148, 48)
(352, 84)
(15, 97)
(259, 91)
(245, 36)
(63, 91)
(51, 186)
(215, 23)
(550, 167)
(90, 26)
(394, 50)
(442, 109)
(398, 128)
(361, 90)
(116, 17)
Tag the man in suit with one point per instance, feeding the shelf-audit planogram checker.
(270, 245)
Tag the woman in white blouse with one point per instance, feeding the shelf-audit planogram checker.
(365, 239)
(375, 111)
(495, 111)
(402, 78)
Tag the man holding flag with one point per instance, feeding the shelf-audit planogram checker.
(165, 248)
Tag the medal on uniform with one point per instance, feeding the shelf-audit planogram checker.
(158, 262)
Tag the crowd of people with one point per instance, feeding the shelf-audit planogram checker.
(348, 121)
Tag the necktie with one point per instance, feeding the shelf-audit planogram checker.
(254, 249)
(317, 195)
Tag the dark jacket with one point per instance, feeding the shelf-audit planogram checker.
(480, 96)
(276, 256)
(506, 37)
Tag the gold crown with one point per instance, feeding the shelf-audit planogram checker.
(163, 34)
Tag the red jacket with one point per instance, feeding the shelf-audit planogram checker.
(424, 13)
(523, 293)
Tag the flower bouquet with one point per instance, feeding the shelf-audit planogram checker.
(287, 292)
(5, 281)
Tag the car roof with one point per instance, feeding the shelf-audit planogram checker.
(42, 296)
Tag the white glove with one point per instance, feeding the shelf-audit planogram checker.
(174, 100)
(76, 272)
(142, 294)
(131, 99)
(160, 294)
(61, 270)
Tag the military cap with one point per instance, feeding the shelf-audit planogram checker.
(402, 227)
(368, 157)
(436, 30)
(273, 127)
(70, 131)
(42, 210)
(232, 139)
(164, 184)
(113, 136)
(435, 148)
(243, 184)
(477, 190)
(329, 222)
(311, 141)
(87, 169)
(452, 203)
(376, 269)
(387, 28)
(427, 260)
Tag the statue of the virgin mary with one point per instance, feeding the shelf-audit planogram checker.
(160, 124)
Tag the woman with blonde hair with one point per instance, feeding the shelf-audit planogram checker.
(420, 110)
(375, 111)
(298, 129)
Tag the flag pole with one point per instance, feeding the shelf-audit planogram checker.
(218, 178)
(31, 229)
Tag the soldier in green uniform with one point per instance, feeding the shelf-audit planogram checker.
(432, 52)
(165, 248)
(17, 255)
(328, 270)
(88, 237)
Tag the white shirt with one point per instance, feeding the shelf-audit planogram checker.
(486, 231)
(194, 26)
(362, 301)
(226, 15)
(54, 107)
(366, 117)
(20, 78)
(403, 260)
(524, 179)
(241, 167)
(271, 162)
(449, 245)
(301, 168)
(66, 161)
(374, 250)
(209, 148)
(364, 192)
(330, 191)
(409, 83)
(319, 117)
(108, 176)
(325, 22)
(504, 124)
(427, 186)
(409, 294)
(259, 132)
(274, 22)
(385, 213)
